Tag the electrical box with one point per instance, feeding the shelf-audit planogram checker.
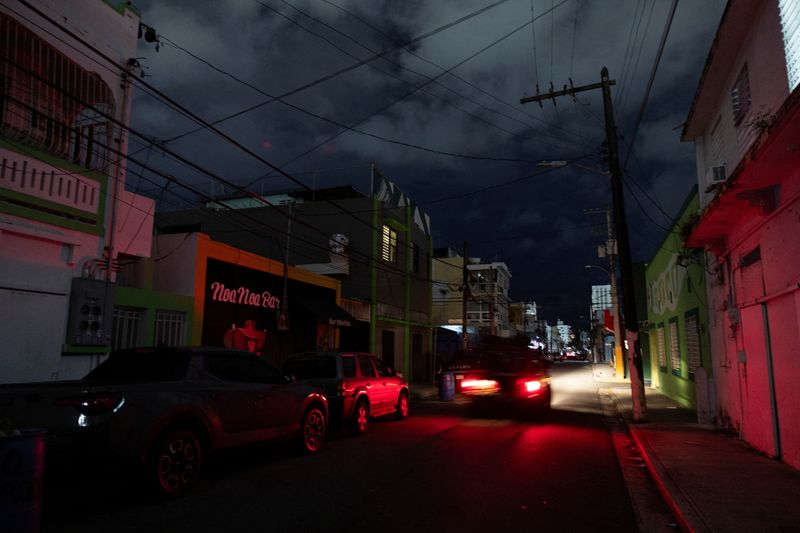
(91, 308)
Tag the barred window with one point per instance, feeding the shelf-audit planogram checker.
(389, 245)
(661, 349)
(126, 328)
(170, 328)
(50, 102)
(674, 347)
(693, 356)
(740, 96)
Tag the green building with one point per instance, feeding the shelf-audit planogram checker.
(677, 315)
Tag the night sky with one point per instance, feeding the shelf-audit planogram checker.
(428, 92)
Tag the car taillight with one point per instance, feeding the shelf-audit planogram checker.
(532, 385)
(94, 404)
(479, 384)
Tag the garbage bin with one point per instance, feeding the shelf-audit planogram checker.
(22, 456)
(447, 386)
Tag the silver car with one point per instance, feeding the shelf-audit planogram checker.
(165, 408)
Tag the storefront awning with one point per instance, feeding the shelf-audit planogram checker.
(326, 312)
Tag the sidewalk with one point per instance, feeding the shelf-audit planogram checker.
(712, 481)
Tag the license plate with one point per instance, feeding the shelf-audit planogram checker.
(459, 376)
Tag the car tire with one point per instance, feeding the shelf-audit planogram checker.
(401, 411)
(312, 430)
(174, 462)
(360, 422)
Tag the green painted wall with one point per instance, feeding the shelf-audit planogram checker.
(677, 313)
(152, 301)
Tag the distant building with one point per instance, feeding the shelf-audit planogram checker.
(488, 305)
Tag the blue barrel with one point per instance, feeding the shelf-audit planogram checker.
(447, 386)
(22, 456)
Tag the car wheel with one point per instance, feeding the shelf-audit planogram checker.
(175, 462)
(312, 430)
(402, 406)
(361, 418)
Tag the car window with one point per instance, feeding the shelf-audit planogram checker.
(348, 366)
(257, 371)
(383, 370)
(365, 365)
(142, 365)
(311, 367)
(242, 369)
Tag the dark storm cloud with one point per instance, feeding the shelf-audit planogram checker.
(536, 223)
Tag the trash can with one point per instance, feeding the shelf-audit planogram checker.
(447, 386)
(22, 456)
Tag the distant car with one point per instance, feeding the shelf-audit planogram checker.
(511, 375)
(166, 408)
(359, 386)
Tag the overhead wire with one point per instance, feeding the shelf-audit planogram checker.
(350, 67)
(404, 67)
(514, 107)
(173, 180)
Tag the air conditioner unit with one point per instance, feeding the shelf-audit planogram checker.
(716, 174)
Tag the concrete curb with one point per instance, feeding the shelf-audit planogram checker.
(683, 510)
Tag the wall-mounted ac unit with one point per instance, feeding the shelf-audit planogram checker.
(716, 174)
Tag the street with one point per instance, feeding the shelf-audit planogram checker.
(440, 470)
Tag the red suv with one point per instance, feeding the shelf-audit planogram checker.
(359, 386)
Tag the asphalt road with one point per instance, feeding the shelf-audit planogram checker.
(445, 468)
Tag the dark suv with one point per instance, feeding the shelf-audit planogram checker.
(359, 386)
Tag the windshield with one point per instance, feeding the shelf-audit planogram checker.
(141, 365)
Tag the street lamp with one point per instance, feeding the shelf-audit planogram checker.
(615, 309)
(559, 164)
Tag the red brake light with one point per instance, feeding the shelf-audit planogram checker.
(479, 384)
(95, 404)
(532, 385)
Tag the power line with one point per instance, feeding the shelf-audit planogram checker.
(461, 79)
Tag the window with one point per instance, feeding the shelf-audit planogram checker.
(126, 328)
(661, 349)
(170, 327)
(312, 367)
(389, 245)
(365, 365)
(50, 102)
(790, 24)
(415, 257)
(693, 355)
(242, 369)
(383, 370)
(740, 96)
(674, 348)
(348, 366)
(142, 365)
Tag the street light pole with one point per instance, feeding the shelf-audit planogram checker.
(615, 308)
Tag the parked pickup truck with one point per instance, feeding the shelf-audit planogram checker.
(163, 409)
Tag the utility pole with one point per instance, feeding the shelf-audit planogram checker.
(626, 268)
(465, 297)
(611, 252)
